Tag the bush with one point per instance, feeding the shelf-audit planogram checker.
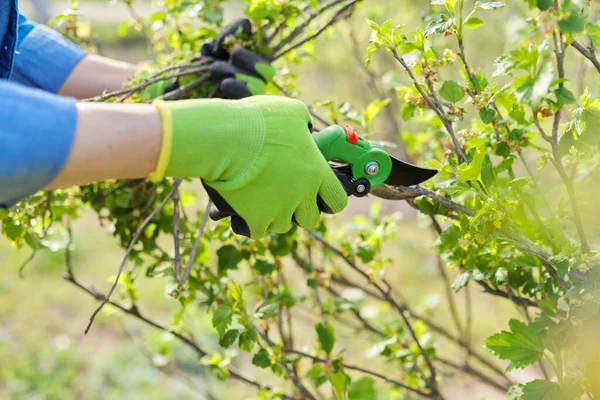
(517, 232)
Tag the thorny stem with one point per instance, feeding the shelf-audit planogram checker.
(128, 252)
(440, 113)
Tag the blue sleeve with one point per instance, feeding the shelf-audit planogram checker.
(43, 58)
(36, 133)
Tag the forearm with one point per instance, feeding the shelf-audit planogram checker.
(112, 141)
(95, 75)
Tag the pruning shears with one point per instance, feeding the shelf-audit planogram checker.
(360, 164)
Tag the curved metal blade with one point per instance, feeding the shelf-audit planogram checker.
(405, 174)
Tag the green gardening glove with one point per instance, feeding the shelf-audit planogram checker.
(257, 160)
(238, 72)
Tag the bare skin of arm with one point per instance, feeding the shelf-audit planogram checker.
(112, 141)
(95, 75)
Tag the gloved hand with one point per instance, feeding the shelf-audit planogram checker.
(240, 74)
(256, 158)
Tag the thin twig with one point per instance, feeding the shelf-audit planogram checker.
(300, 28)
(433, 326)
(339, 13)
(559, 51)
(469, 317)
(365, 371)
(472, 371)
(176, 232)
(45, 229)
(290, 374)
(520, 301)
(195, 67)
(447, 286)
(188, 268)
(412, 192)
(185, 89)
(128, 252)
(390, 299)
(440, 113)
(135, 312)
(589, 53)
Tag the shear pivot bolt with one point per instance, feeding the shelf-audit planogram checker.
(372, 168)
(361, 188)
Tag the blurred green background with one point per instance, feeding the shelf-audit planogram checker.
(43, 352)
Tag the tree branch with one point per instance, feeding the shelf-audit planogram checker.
(389, 298)
(338, 14)
(365, 371)
(432, 325)
(440, 113)
(589, 53)
(128, 252)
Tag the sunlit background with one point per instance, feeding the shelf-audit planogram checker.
(43, 352)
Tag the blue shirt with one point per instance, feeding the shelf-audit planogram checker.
(36, 126)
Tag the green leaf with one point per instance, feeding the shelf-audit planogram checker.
(450, 4)
(521, 345)
(373, 109)
(546, 390)
(228, 338)
(474, 22)
(229, 258)
(452, 91)
(573, 23)
(222, 318)
(123, 28)
(489, 5)
(158, 16)
(583, 131)
(263, 267)
(472, 171)
(441, 25)
(326, 336)
(593, 31)
(564, 96)
(247, 340)
(268, 309)
(363, 389)
(262, 359)
(487, 115)
(339, 381)
(372, 48)
(544, 5)
(408, 111)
